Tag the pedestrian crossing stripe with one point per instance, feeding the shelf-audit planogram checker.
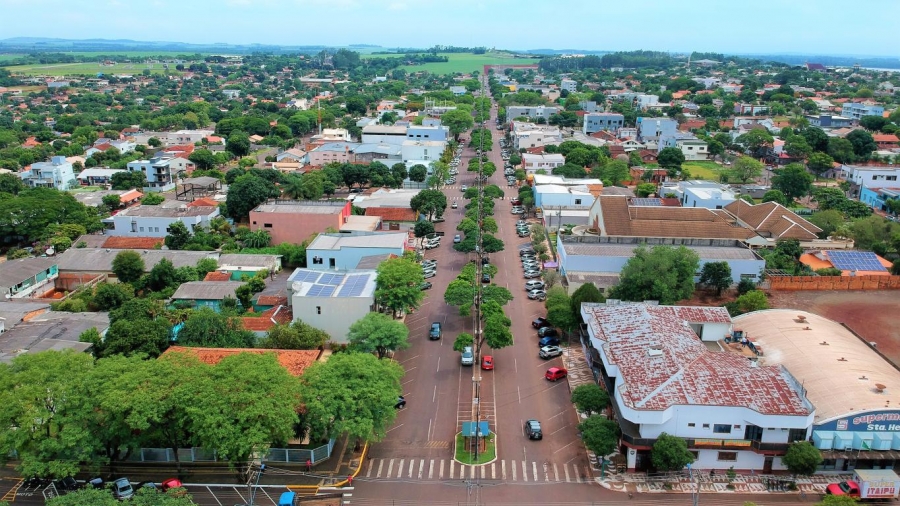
(505, 470)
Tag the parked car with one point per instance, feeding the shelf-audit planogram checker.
(533, 430)
(547, 332)
(485, 277)
(122, 489)
(457, 239)
(548, 341)
(401, 403)
(429, 274)
(540, 322)
(435, 331)
(534, 285)
(555, 373)
(425, 286)
(171, 483)
(515, 202)
(537, 295)
(532, 273)
(67, 484)
(463, 188)
(468, 357)
(548, 352)
(487, 363)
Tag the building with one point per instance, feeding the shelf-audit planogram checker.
(854, 424)
(96, 176)
(154, 221)
(162, 172)
(556, 197)
(751, 109)
(52, 330)
(531, 135)
(209, 294)
(886, 142)
(238, 265)
(850, 263)
(458, 90)
(296, 221)
(95, 199)
(332, 301)
(26, 277)
(543, 161)
(291, 155)
(878, 197)
(829, 121)
(652, 129)
(772, 222)
(427, 133)
(57, 173)
(530, 112)
(602, 121)
(344, 251)
(708, 194)
(568, 85)
(231, 94)
(856, 110)
(663, 376)
(422, 150)
(332, 152)
(384, 134)
(94, 261)
(692, 147)
(608, 255)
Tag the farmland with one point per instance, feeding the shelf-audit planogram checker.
(464, 63)
(87, 69)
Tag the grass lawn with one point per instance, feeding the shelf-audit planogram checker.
(88, 69)
(703, 169)
(86, 189)
(464, 63)
(462, 455)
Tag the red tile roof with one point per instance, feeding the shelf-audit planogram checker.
(118, 242)
(662, 362)
(204, 202)
(279, 314)
(217, 276)
(885, 138)
(392, 213)
(272, 300)
(129, 196)
(295, 361)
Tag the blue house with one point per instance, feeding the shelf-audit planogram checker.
(344, 251)
(877, 197)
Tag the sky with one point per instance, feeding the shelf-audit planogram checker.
(725, 26)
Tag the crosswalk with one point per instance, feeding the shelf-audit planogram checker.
(520, 471)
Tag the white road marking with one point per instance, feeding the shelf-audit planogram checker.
(392, 428)
(546, 472)
(534, 470)
(380, 465)
(399, 469)
(430, 470)
(390, 470)
(577, 473)
(483, 471)
(493, 470)
(214, 496)
(524, 471)
(451, 468)
(411, 465)
(566, 469)
(503, 470)
(555, 472)
(441, 472)
(513, 465)
(434, 394)
(438, 370)
(371, 465)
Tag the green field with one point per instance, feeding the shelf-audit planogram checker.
(464, 63)
(703, 170)
(87, 69)
(10, 56)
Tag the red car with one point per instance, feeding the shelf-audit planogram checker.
(556, 373)
(487, 363)
(172, 483)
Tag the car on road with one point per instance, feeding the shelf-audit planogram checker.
(429, 274)
(435, 332)
(457, 239)
(533, 430)
(555, 373)
(487, 363)
(425, 286)
(548, 341)
(517, 210)
(532, 273)
(485, 277)
(523, 233)
(463, 188)
(547, 332)
(540, 322)
(548, 352)
(454, 205)
(537, 295)
(122, 489)
(467, 358)
(515, 202)
(534, 285)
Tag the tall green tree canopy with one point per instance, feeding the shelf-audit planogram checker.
(793, 181)
(247, 192)
(663, 273)
(670, 453)
(380, 333)
(398, 284)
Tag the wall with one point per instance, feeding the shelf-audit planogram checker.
(337, 313)
(153, 226)
(293, 227)
(346, 258)
(833, 282)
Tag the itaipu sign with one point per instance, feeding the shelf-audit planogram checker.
(872, 421)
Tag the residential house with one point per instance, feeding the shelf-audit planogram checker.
(99, 260)
(95, 199)
(293, 154)
(209, 294)
(161, 172)
(27, 277)
(297, 221)
(556, 197)
(388, 154)
(531, 112)
(530, 135)
(332, 301)
(231, 94)
(238, 265)
(829, 121)
(862, 177)
(850, 263)
(692, 147)
(590, 106)
(608, 121)
(772, 222)
(708, 194)
(458, 90)
(53, 330)
(543, 161)
(650, 130)
(154, 221)
(877, 197)
(751, 109)
(96, 176)
(636, 346)
(57, 173)
(344, 251)
(856, 111)
(886, 142)
(332, 152)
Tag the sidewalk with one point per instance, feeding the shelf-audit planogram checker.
(718, 484)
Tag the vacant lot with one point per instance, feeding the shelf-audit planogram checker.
(703, 170)
(88, 69)
(464, 63)
(871, 314)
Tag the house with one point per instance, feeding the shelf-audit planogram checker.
(773, 222)
(590, 106)
(332, 152)
(857, 111)
(551, 196)
(530, 135)
(543, 161)
(531, 112)
(100, 260)
(692, 147)
(344, 251)
(458, 90)
(293, 154)
(652, 129)
(850, 263)
(27, 277)
(663, 377)
(297, 221)
(816, 67)
(599, 121)
(96, 176)
(57, 173)
(295, 361)
(751, 109)
(829, 121)
(708, 194)
(231, 94)
(238, 265)
(422, 150)
(886, 141)
(205, 293)
(877, 197)
(861, 177)
(332, 301)
(332, 135)
(95, 199)
(154, 221)
(568, 85)
(161, 171)
(53, 330)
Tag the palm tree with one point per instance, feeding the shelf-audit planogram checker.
(257, 239)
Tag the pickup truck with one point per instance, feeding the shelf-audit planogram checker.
(868, 484)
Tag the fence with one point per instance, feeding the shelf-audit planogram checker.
(833, 282)
(289, 455)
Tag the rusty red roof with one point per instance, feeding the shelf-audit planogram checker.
(295, 361)
(122, 242)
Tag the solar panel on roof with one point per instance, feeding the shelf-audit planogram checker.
(306, 276)
(647, 202)
(855, 261)
(327, 290)
(332, 279)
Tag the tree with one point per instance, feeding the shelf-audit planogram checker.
(204, 159)
(247, 192)
(209, 329)
(590, 399)
(353, 393)
(663, 273)
(645, 189)
(820, 163)
(162, 276)
(797, 147)
(423, 228)
(586, 293)
(11, 183)
(559, 314)
(398, 284)
(297, 335)
(380, 333)
(873, 123)
(754, 300)
(775, 196)
(458, 121)
(142, 497)
(802, 458)
(793, 181)
(418, 173)
(178, 236)
(431, 203)
(670, 453)
(128, 266)
(128, 180)
(109, 296)
(841, 150)
(671, 160)
(716, 275)
(746, 169)
(754, 140)
(238, 144)
(828, 220)
(816, 138)
(257, 239)
(112, 202)
(600, 435)
(862, 142)
(462, 341)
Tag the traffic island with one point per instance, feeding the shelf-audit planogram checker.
(475, 448)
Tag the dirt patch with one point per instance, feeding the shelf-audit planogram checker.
(871, 314)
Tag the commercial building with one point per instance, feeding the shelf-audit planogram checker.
(296, 221)
(652, 129)
(344, 251)
(532, 163)
(695, 193)
(332, 301)
(384, 134)
(422, 150)
(600, 121)
(530, 112)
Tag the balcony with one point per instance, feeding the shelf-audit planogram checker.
(631, 437)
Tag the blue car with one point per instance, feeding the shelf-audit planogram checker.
(549, 341)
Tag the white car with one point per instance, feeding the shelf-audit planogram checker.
(463, 188)
(534, 285)
(548, 352)
(457, 239)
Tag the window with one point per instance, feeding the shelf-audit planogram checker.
(331, 263)
(692, 425)
(727, 456)
(142, 229)
(737, 427)
(318, 309)
(317, 260)
(695, 453)
(891, 178)
(705, 425)
(577, 202)
(795, 435)
(267, 225)
(721, 428)
(753, 433)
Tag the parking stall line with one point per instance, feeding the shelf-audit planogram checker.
(566, 469)
(441, 473)
(555, 472)
(534, 470)
(524, 471)
(214, 496)
(412, 464)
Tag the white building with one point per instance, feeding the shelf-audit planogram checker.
(384, 134)
(332, 301)
(542, 161)
(154, 221)
(162, 172)
(708, 194)
(568, 85)
(664, 378)
(530, 135)
(552, 196)
(344, 251)
(872, 177)
(57, 173)
(422, 150)
(531, 112)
